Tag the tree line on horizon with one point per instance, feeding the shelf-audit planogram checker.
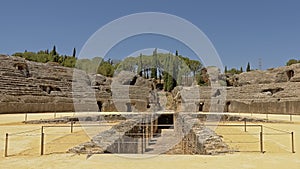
(236, 71)
(292, 61)
(44, 56)
(168, 68)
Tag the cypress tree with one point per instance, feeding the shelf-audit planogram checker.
(53, 52)
(248, 67)
(74, 52)
(154, 65)
(140, 66)
(166, 74)
(170, 81)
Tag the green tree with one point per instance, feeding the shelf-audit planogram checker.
(200, 79)
(53, 52)
(69, 62)
(74, 52)
(154, 65)
(291, 61)
(140, 66)
(195, 66)
(248, 69)
(106, 69)
(233, 71)
(241, 70)
(225, 71)
(166, 74)
(169, 76)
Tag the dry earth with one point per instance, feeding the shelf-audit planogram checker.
(24, 149)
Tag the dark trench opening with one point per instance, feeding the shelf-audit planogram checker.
(167, 120)
(99, 103)
(290, 74)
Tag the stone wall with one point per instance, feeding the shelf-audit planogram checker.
(196, 137)
(113, 140)
(275, 91)
(36, 87)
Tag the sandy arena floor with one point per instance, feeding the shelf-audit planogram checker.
(24, 148)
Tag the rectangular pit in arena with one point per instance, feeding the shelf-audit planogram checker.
(159, 133)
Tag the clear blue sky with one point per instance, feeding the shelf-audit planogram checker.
(241, 31)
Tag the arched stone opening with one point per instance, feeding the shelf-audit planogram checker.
(23, 68)
(201, 104)
(290, 74)
(128, 106)
(100, 105)
(49, 89)
(227, 106)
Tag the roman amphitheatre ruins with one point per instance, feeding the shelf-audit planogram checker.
(53, 113)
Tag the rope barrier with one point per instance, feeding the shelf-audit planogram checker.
(277, 130)
(277, 133)
(272, 128)
(28, 131)
(26, 135)
(239, 134)
(246, 142)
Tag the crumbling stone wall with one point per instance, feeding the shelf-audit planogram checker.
(113, 140)
(274, 91)
(196, 137)
(36, 87)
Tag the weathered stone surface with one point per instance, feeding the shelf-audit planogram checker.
(36, 87)
(109, 140)
(196, 137)
(274, 75)
(275, 91)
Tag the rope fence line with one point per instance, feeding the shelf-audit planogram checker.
(28, 131)
(33, 135)
(71, 126)
(239, 134)
(283, 131)
(244, 142)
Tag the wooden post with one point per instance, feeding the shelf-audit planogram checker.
(119, 146)
(42, 143)
(72, 126)
(291, 117)
(196, 144)
(293, 145)
(143, 135)
(245, 125)
(267, 116)
(151, 125)
(55, 115)
(261, 143)
(146, 133)
(6, 145)
(182, 148)
(25, 117)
